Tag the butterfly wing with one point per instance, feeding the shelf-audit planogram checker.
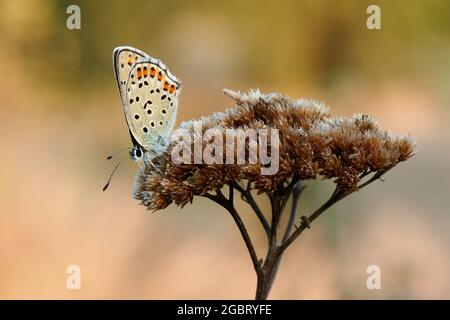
(123, 60)
(151, 103)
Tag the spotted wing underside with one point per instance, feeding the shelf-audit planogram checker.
(123, 59)
(151, 102)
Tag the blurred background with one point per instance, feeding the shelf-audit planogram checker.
(61, 116)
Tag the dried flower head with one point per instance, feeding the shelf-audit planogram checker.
(312, 144)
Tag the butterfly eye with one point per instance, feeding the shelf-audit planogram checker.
(138, 153)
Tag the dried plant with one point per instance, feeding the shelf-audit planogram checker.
(352, 152)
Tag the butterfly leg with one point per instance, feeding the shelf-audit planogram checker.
(148, 161)
(154, 166)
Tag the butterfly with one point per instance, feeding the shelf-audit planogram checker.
(149, 95)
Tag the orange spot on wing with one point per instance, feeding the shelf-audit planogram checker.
(152, 72)
(160, 76)
(166, 86)
(172, 89)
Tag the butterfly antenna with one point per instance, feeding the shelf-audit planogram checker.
(112, 173)
(117, 152)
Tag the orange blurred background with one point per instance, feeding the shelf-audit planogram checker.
(61, 116)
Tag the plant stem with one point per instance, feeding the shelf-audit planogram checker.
(220, 199)
(247, 197)
(267, 268)
(335, 197)
(296, 193)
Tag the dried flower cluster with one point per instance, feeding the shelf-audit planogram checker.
(313, 144)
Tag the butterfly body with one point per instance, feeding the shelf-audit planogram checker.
(149, 94)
